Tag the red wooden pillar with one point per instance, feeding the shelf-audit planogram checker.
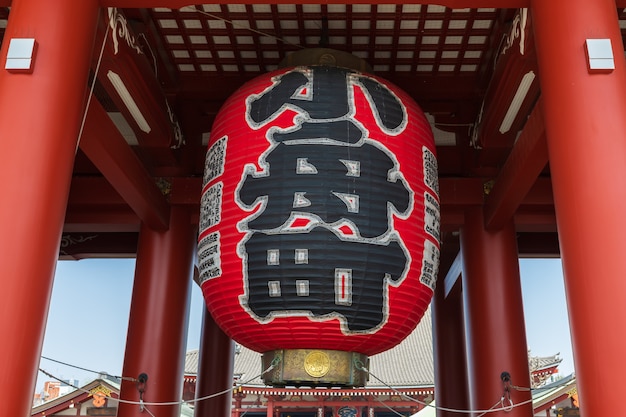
(40, 115)
(270, 406)
(586, 131)
(495, 332)
(215, 370)
(157, 329)
(449, 351)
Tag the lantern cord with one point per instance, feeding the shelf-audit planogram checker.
(105, 374)
(502, 401)
(258, 32)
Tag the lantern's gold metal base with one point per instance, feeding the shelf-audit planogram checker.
(315, 367)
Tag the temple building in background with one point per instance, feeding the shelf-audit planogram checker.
(401, 381)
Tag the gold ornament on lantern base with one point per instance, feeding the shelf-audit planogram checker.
(315, 367)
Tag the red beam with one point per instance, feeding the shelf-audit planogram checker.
(75, 246)
(94, 206)
(215, 89)
(519, 173)
(100, 220)
(515, 70)
(97, 191)
(93, 191)
(461, 191)
(455, 4)
(126, 72)
(455, 192)
(109, 152)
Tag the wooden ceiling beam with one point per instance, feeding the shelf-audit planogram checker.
(93, 200)
(513, 89)
(456, 193)
(126, 71)
(108, 151)
(175, 4)
(420, 87)
(75, 246)
(519, 173)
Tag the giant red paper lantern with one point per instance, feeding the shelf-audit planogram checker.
(319, 224)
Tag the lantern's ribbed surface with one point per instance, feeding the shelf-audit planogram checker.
(320, 213)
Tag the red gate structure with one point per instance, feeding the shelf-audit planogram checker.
(106, 109)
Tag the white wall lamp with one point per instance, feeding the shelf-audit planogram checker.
(21, 55)
(599, 55)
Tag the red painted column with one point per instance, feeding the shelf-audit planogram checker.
(40, 115)
(586, 131)
(157, 329)
(494, 315)
(215, 370)
(449, 351)
(270, 407)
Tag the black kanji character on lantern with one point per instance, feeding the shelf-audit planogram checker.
(324, 102)
(334, 183)
(319, 274)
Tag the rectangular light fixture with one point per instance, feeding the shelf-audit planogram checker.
(599, 55)
(516, 103)
(20, 55)
(129, 102)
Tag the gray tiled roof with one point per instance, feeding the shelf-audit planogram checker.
(538, 363)
(191, 362)
(409, 364)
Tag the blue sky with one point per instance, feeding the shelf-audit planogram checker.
(88, 316)
(545, 312)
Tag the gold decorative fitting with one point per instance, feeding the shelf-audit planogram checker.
(165, 186)
(488, 186)
(101, 389)
(317, 364)
(314, 367)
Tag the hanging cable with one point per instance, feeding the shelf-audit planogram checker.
(389, 408)
(93, 86)
(358, 364)
(258, 32)
(143, 404)
(106, 374)
(507, 408)
(491, 408)
(273, 365)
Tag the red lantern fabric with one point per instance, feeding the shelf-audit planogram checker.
(319, 219)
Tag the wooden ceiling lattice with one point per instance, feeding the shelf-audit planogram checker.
(428, 39)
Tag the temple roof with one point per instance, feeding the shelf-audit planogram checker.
(409, 364)
(107, 387)
(541, 363)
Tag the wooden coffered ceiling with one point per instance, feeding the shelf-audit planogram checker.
(471, 69)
